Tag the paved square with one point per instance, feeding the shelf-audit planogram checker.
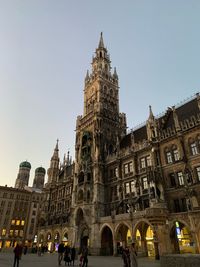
(50, 260)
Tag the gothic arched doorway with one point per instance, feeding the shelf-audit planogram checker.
(123, 237)
(82, 236)
(144, 239)
(181, 239)
(106, 242)
(84, 242)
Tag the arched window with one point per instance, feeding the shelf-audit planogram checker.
(175, 153)
(193, 146)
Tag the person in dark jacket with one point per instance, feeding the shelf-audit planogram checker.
(18, 253)
(85, 257)
(73, 255)
(61, 250)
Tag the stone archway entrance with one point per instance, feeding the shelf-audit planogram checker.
(145, 240)
(84, 241)
(123, 237)
(83, 230)
(181, 239)
(106, 242)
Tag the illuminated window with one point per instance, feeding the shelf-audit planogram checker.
(21, 232)
(127, 188)
(116, 172)
(144, 183)
(193, 147)
(125, 168)
(11, 233)
(142, 163)
(17, 222)
(16, 233)
(198, 172)
(3, 233)
(169, 157)
(128, 167)
(132, 186)
(148, 160)
(180, 178)
(22, 222)
(176, 155)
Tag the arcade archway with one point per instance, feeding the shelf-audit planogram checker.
(106, 241)
(181, 239)
(123, 237)
(144, 239)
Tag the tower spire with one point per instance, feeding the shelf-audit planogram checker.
(101, 44)
(151, 116)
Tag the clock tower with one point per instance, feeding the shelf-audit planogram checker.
(98, 132)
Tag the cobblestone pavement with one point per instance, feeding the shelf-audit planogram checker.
(50, 260)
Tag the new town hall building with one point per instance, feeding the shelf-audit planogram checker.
(142, 186)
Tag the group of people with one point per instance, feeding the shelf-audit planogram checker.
(129, 256)
(68, 253)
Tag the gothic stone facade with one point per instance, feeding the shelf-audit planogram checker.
(142, 186)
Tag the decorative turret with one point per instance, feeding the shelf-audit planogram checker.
(176, 121)
(38, 181)
(23, 175)
(151, 126)
(54, 166)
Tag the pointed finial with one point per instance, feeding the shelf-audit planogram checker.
(115, 73)
(101, 44)
(57, 143)
(151, 116)
(87, 76)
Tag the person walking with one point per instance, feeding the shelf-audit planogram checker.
(73, 255)
(126, 257)
(133, 255)
(85, 257)
(61, 250)
(18, 253)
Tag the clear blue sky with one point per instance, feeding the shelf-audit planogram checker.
(46, 48)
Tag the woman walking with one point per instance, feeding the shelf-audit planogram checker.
(133, 256)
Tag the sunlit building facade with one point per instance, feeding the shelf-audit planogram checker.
(19, 208)
(141, 186)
